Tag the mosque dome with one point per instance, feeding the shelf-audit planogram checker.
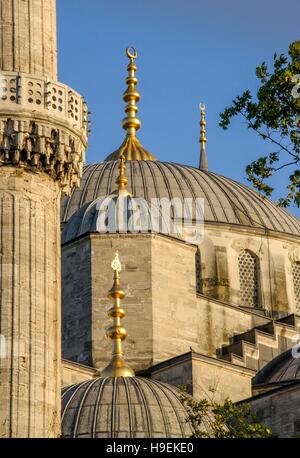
(119, 404)
(123, 407)
(284, 368)
(114, 214)
(119, 212)
(225, 200)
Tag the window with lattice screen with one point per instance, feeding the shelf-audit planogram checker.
(296, 282)
(249, 281)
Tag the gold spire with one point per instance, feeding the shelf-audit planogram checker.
(122, 181)
(131, 147)
(131, 96)
(203, 164)
(116, 333)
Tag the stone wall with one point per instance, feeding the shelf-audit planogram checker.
(205, 377)
(164, 315)
(159, 281)
(30, 313)
(220, 273)
(218, 321)
(280, 409)
(136, 281)
(77, 302)
(28, 37)
(174, 302)
(73, 373)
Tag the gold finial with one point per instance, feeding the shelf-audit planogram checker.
(116, 333)
(131, 96)
(116, 264)
(131, 147)
(122, 181)
(203, 164)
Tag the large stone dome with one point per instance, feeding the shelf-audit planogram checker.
(123, 407)
(225, 200)
(114, 213)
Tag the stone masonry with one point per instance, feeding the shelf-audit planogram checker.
(43, 137)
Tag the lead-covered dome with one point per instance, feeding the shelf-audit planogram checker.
(225, 200)
(131, 407)
(284, 368)
(114, 214)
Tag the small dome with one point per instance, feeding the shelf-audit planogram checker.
(123, 407)
(225, 201)
(284, 368)
(115, 214)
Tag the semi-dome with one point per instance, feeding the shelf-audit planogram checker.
(284, 368)
(131, 407)
(225, 201)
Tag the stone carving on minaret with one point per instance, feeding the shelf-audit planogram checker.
(51, 142)
(43, 123)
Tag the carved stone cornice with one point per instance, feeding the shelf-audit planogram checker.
(43, 127)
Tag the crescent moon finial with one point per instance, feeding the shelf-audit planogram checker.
(116, 265)
(131, 53)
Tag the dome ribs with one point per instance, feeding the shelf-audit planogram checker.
(227, 201)
(176, 179)
(141, 395)
(97, 403)
(238, 203)
(98, 182)
(149, 165)
(130, 416)
(167, 431)
(205, 193)
(66, 392)
(84, 396)
(85, 187)
(166, 390)
(143, 180)
(274, 209)
(250, 203)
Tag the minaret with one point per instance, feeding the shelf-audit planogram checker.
(43, 137)
(203, 164)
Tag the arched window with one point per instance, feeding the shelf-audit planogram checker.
(249, 281)
(198, 272)
(296, 282)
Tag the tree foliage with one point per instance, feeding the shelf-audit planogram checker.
(274, 113)
(228, 420)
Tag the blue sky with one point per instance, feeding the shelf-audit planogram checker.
(190, 51)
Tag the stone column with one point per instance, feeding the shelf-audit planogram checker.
(43, 138)
(28, 37)
(30, 363)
